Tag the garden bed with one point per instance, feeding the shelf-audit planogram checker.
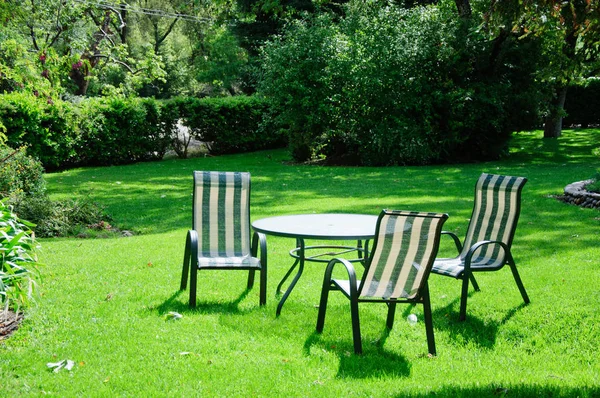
(576, 194)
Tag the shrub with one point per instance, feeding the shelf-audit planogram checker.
(20, 174)
(119, 131)
(388, 85)
(594, 185)
(18, 263)
(230, 124)
(582, 103)
(61, 218)
(45, 126)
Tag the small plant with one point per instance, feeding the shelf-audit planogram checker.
(18, 261)
(594, 186)
(63, 218)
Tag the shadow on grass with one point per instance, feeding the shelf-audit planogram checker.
(374, 362)
(521, 391)
(472, 330)
(175, 304)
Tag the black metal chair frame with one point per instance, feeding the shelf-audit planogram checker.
(330, 284)
(191, 264)
(467, 274)
(191, 256)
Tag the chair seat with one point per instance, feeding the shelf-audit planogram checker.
(344, 285)
(455, 267)
(229, 262)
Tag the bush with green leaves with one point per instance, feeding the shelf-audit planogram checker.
(45, 126)
(23, 186)
(230, 124)
(62, 218)
(582, 103)
(120, 130)
(18, 262)
(20, 174)
(387, 85)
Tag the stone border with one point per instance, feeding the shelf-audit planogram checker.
(576, 194)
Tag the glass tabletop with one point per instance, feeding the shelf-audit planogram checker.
(319, 226)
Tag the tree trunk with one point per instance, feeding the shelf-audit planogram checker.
(81, 70)
(464, 8)
(553, 122)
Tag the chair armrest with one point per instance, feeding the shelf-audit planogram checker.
(261, 238)
(478, 245)
(191, 243)
(349, 269)
(454, 237)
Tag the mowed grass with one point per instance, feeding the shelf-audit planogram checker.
(104, 302)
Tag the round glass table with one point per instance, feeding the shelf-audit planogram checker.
(334, 227)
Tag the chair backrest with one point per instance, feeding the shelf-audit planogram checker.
(404, 249)
(495, 214)
(221, 213)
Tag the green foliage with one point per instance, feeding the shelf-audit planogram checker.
(222, 62)
(230, 124)
(117, 130)
(20, 174)
(45, 126)
(396, 86)
(23, 187)
(594, 186)
(18, 260)
(582, 103)
(70, 217)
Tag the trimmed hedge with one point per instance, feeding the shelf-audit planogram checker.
(230, 125)
(46, 127)
(121, 131)
(115, 130)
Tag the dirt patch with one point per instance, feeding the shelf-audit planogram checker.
(9, 322)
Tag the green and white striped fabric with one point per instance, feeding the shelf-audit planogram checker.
(495, 215)
(221, 216)
(405, 248)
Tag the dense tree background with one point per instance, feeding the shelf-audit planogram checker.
(371, 81)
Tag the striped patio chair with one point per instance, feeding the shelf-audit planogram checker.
(396, 271)
(220, 234)
(487, 245)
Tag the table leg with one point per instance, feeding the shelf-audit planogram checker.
(300, 262)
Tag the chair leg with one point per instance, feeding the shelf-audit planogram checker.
(390, 315)
(250, 279)
(323, 306)
(186, 266)
(355, 326)
(263, 287)
(193, 283)
(474, 282)
(515, 273)
(428, 321)
(463, 298)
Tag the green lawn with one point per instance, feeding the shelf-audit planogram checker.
(104, 302)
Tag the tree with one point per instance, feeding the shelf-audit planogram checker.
(570, 31)
(77, 35)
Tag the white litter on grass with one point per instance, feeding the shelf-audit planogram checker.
(58, 366)
(172, 315)
(412, 319)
